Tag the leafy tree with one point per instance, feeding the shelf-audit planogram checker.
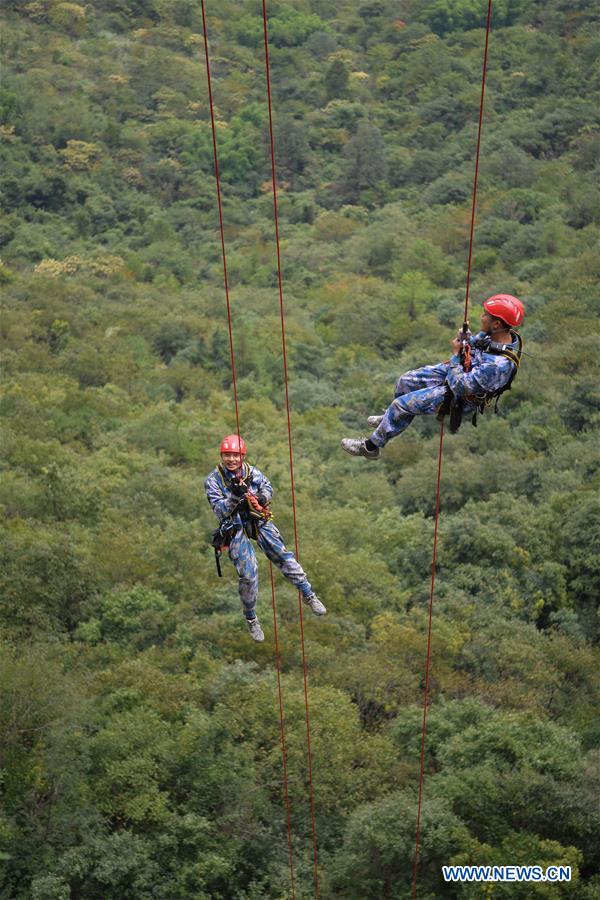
(376, 857)
(365, 166)
(458, 15)
(336, 79)
(582, 558)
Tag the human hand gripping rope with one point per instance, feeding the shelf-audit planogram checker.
(464, 346)
(240, 487)
(263, 511)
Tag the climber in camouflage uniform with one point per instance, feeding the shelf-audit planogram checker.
(240, 497)
(494, 359)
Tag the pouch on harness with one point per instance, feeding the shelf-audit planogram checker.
(455, 406)
(221, 540)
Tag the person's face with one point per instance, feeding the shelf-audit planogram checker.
(232, 461)
(489, 324)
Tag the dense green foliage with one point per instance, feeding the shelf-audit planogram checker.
(139, 732)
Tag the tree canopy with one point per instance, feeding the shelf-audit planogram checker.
(139, 733)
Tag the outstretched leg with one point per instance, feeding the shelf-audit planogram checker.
(271, 542)
(402, 411)
(417, 392)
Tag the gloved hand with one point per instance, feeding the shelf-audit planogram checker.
(239, 489)
(483, 343)
(255, 503)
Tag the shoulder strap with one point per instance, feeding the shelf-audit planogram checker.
(507, 349)
(222, 473)
(515, 357)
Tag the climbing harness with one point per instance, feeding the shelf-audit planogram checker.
(484, 401)
(454, 406)
(256, 510)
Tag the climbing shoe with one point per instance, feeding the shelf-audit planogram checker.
(256, 632)
(357, 447)
(374, 421)
(315, 604)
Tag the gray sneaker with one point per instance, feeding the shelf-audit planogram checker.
(374, 421)
(256, 632)
(356, 447)
(315, 604)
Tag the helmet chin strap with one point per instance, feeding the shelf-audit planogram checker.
(502, 328)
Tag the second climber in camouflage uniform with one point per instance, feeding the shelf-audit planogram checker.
(240, 496)
(495, 353)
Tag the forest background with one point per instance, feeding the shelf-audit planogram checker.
(139, 732)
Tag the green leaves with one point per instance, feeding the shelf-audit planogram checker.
(288, 27)
(139, 727)
(459, 15)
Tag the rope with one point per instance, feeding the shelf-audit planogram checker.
(282, 732)
(226, 282)
(439, 472)
(428, 659)
(220, 205)
(476, 175)
(289, 430)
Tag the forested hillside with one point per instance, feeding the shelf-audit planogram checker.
(139, 725)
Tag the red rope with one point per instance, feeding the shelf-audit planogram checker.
(428, 659)
(282, 732)
(476, 175)
(277, 654)
(220, 205)
(439, 473)
(291, 457)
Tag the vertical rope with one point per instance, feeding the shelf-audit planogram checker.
(476, 175)
(439, 473)
(291, 456)
(428, 660)
(231, 348)
(282, 733)
(220, 205)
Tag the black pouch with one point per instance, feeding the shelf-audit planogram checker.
(455, 408)
(221, 538)
(220, 541)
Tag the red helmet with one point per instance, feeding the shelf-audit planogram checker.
(505, 307)
(233, 444)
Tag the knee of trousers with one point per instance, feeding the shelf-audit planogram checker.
(399, 409)
(402, 385)
(291, 568)
(248, 590)
(247, 571)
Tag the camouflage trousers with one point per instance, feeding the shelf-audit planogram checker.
(243, 557)
(418, 393)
